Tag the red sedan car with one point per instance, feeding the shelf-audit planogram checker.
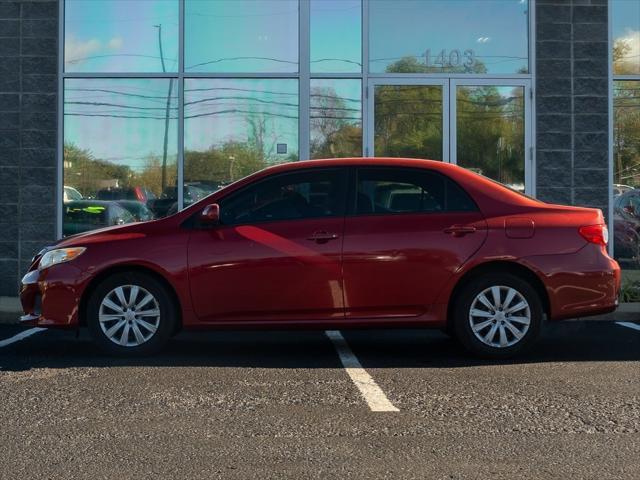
(334, 244)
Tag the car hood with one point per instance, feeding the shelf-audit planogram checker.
(107, 234)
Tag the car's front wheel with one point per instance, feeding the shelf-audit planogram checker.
(497, 315)
(130, 313)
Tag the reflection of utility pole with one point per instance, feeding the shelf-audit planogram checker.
(163, 182)
(232, 159)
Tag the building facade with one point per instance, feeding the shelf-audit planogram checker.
(113, 111)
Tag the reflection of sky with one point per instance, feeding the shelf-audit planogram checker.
(496, 30)
(121, 120)
(119, 35)
(336, 36)
(241, 36)
(218, 110)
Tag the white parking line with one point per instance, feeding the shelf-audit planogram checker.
(372, 393)
(20, 336)
(634, 326)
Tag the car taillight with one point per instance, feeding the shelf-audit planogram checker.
(597, 234)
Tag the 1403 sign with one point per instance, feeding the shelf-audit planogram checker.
(451, 58)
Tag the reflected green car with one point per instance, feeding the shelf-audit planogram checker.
(84, 215)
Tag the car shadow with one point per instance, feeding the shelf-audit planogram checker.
(579, 341)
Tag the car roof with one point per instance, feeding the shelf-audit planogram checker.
(359, 161)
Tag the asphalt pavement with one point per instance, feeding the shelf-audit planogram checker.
(282, 405)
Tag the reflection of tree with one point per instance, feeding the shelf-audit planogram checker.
(223, 164)
(490, 132)
(627, 132)
(336, 129)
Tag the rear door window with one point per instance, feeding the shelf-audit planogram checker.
(404, 190)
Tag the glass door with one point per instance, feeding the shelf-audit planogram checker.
(490, 129)
(408, 119)
(480, 124)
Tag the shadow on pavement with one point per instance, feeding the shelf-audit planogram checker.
(560, 342)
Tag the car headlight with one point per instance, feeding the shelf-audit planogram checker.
(59, 255)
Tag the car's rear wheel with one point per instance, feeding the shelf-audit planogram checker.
(131, 313)
(497, 315)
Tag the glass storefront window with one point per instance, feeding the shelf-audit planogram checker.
(234, 127)
(245, 36)
(626, 37)
(490, 132)
(120, 151)
(336, 36)
(336, 118)
(119, 36)
(444, 36)
(408, 121)
(626, 176)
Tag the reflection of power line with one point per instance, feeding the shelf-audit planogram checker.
(253, 99)
(233, 59)
(80, 59)
(336, 60)
(107, 104)
(116, 92)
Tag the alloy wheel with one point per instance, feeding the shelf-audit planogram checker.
(500, 316)
(129, 315)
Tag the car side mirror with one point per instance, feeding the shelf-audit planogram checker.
(211, 214)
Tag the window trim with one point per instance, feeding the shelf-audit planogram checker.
(353, 189)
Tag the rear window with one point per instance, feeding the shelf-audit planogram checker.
(86, 214)
(391, 190)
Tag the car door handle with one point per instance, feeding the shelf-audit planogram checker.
(322, 237)
(459, 230)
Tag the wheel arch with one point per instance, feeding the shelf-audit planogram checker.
(122, 268)
(500, 266)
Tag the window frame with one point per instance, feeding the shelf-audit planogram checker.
(354, 179)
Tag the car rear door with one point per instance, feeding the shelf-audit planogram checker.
(276, 256)
(407, 232)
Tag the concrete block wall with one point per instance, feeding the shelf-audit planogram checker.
(28, 103)
(572, 137)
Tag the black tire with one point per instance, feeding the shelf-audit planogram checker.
(166, 321)
(462, 323)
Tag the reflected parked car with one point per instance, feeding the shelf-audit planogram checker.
(139, 210)
(626, 221)
(84, 215)
(70, 193)
(167, 204)
(341, 243)
(619, 189)
(140, 194)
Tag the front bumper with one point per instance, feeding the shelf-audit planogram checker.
(51, 298)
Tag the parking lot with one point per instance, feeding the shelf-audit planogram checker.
(282, 405)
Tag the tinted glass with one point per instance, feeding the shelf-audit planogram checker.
(336, 36)
(241, 36)
(234, 127)
(490, 124)
(311, 194)
(626, 37)
(336, 118)
(408, 191)
(461, 36)
(121, 36)
(408, 121)
(120, 140)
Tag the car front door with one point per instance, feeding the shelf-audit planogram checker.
(407, 233)
(276, 254)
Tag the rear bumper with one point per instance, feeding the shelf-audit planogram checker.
(51, 298)
(580, 284)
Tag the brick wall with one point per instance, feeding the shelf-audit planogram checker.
(572, 135)
(28, 85)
